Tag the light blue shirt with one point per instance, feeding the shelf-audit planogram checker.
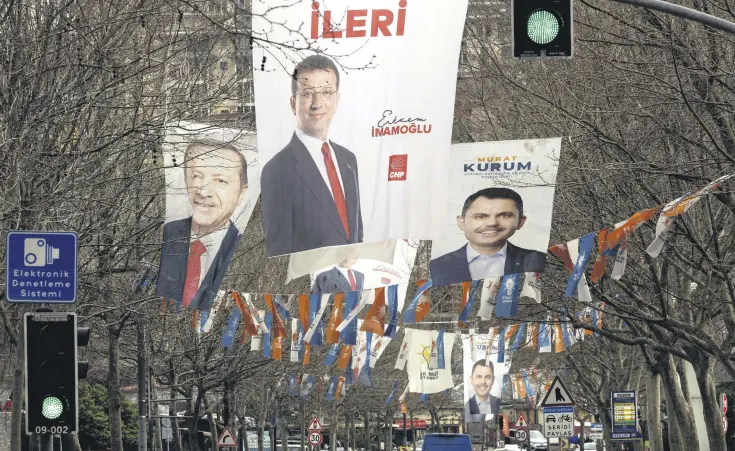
(484, 266)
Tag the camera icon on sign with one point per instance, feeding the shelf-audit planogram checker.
(37, 252)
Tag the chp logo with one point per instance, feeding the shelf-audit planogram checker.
(397, 168)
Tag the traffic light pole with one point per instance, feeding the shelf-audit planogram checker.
(683, 12)
(46, 442)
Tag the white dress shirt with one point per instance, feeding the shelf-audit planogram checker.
(314, 146)
(484, 266)
(484, 407)
(212, 242)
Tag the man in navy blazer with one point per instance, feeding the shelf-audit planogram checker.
(340, 279)
(489, 218)
(197, 250)
(482, 380)
(310, 189)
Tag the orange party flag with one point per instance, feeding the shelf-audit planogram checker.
(598, 269)
(332, 336)
(279, 329)
(618, 234)
(423, 306)
(307, 353)
(340, 385)
(375, 319)
(465, 297)
(278, 348)
(562, 251)
(250, 325)
(304, 311)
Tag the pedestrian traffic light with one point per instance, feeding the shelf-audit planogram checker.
(542, 28)
(52, 371)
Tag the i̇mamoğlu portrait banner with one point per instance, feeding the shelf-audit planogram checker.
(498, 218)
(483, 377)
(211, 189)
(355, 102)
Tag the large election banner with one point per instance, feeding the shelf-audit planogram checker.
(498, 219)
(355, 101)
(211, 189)
(483, 377)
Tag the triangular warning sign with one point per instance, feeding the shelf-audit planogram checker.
(315, 425)
(521, 422)
(558, 395)
(227, 438)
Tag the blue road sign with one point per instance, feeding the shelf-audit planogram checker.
(41, 267)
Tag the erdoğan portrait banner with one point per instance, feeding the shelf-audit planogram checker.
(355, 101)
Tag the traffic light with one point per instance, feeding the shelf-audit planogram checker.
(542, 29)
(52, 371)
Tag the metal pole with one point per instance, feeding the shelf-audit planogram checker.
(405, 436)
(684, 12)
(482, 432)
(413, 429)
(46, 442)
(142, 379)
(303, 425)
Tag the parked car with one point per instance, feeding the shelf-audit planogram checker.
(447, 442)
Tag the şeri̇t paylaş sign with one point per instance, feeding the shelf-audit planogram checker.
(41, 267)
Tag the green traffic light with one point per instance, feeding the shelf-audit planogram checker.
(543, 27)
(52, 408)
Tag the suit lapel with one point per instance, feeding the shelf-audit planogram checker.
(209, 286)
(512, 263)
(460, 266)
(341, 284)
(349, 183)
(180, 251)
(312, 178)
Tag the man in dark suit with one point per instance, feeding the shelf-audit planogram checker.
(482, 379)
(310, 189)
(489, 218)
(340, 279)
(197, 250)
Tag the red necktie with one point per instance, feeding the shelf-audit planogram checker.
(339, 196)
(353, 285)
(193, 271)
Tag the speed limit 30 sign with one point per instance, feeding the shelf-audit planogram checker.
(315, 438)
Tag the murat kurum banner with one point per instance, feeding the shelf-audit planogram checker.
(498, 217)
(355, 101)
(483, 377)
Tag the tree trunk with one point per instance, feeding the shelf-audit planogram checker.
(704, 369)
(173, 394)
(333, 432)
(262, 417)
(389, 427)
(348, 431)
(18, 378)
(653, 397)
(367, 430)
(607, 429)
(676, 443)
(684, 413)
(113, 387)
(284, 434)
(212, 425)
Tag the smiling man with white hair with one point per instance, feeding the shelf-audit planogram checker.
(197, 250)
